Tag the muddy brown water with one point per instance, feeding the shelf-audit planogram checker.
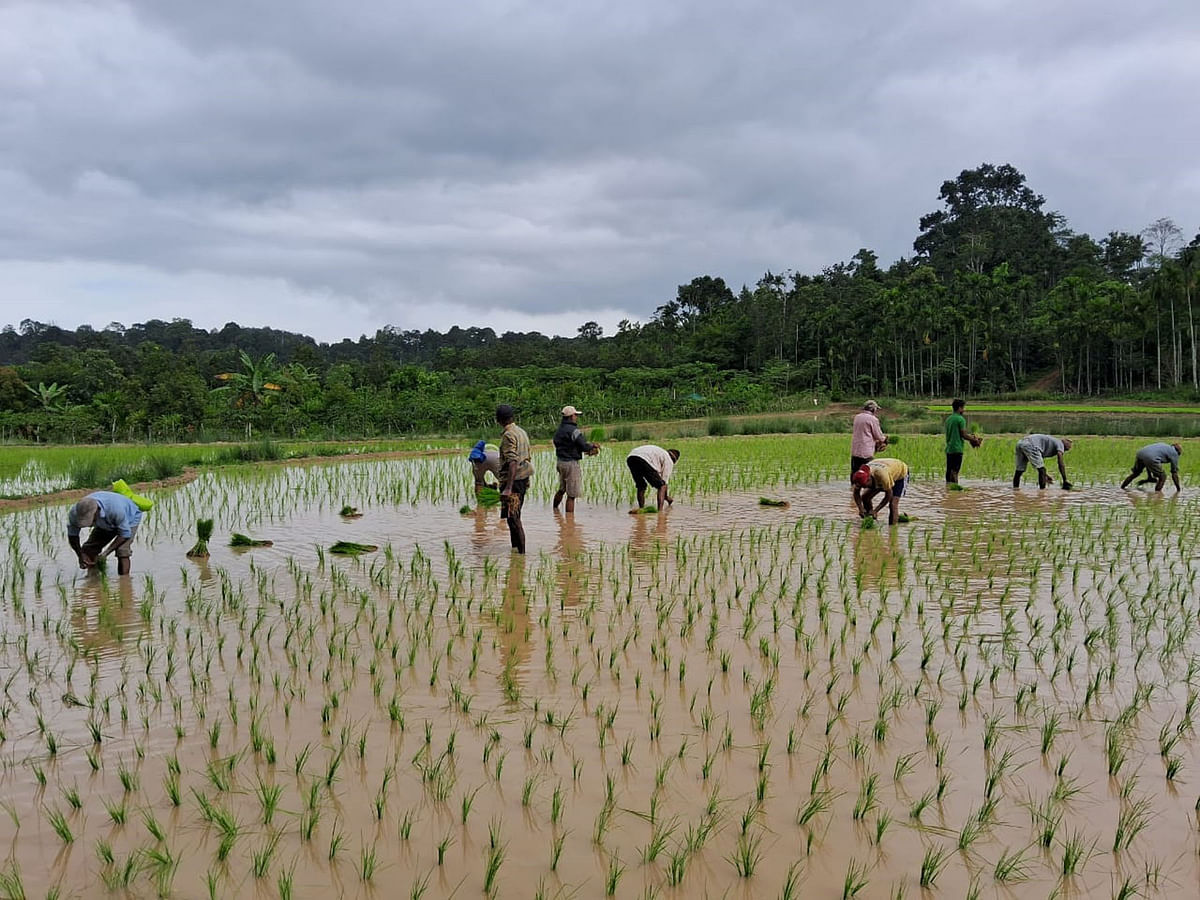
(640, 706)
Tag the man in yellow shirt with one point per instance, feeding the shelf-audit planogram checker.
(880, 476)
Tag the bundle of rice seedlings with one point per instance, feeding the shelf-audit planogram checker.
(643, 511)
(489, 497)
(465, 509)
(778, 504)
(868, 523)
(955, 486)
(242, 540)
(349, 548)
(905, 518)
(350, 512)
(204, 530)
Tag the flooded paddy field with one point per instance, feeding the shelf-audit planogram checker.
(996, 699)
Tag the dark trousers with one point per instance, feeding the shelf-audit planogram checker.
(953, 466)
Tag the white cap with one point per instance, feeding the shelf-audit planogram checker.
(570, 411)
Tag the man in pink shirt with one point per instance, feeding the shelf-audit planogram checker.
(868, 438)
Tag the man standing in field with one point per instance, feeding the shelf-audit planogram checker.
(484, 458)
(880, 476)
(867, 438)
(652, 465)
(956, 435)
(1150, 459)
(515, 471)
(569, 447)
(114, 520)
(1032, 450)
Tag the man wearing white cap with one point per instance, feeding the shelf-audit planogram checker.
(114, 520)
(570, 446)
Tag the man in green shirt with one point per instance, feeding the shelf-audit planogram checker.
(956, 435)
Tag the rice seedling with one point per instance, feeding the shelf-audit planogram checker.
(931, 866)
(494, 860)
(368, 862)
(855, 881)
(351, 548)
(204, 531)
(237, 539)
(58, 822)
(1011, 866)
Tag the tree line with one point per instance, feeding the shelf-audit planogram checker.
(999, 294)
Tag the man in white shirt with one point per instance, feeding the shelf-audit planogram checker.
(651, 465)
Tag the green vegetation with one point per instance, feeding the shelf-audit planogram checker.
(204, 530)
(350, 548)
(238, 539)
(27, 469)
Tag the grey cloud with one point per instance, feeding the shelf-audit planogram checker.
(544, 159)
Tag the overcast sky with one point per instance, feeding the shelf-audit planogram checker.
(334, 168)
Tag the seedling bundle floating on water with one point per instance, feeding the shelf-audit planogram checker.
(350, 548)
(204, 530)
(643, 510)
(776, 504)
(242, 540)
(350, 512)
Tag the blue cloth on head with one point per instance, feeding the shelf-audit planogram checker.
(477, 454)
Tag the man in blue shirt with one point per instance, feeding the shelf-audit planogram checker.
(114, 521)
(1150, 459)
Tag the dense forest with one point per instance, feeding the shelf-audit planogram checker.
(1000, 294)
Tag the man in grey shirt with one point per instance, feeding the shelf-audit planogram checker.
(1032, 450)
(1150, 459)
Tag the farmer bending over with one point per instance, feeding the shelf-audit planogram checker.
(1032, 450)
(651, 465)
(114, 520)
(515, 472)
(880, 476)
(484, 458)
(1150, 460)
